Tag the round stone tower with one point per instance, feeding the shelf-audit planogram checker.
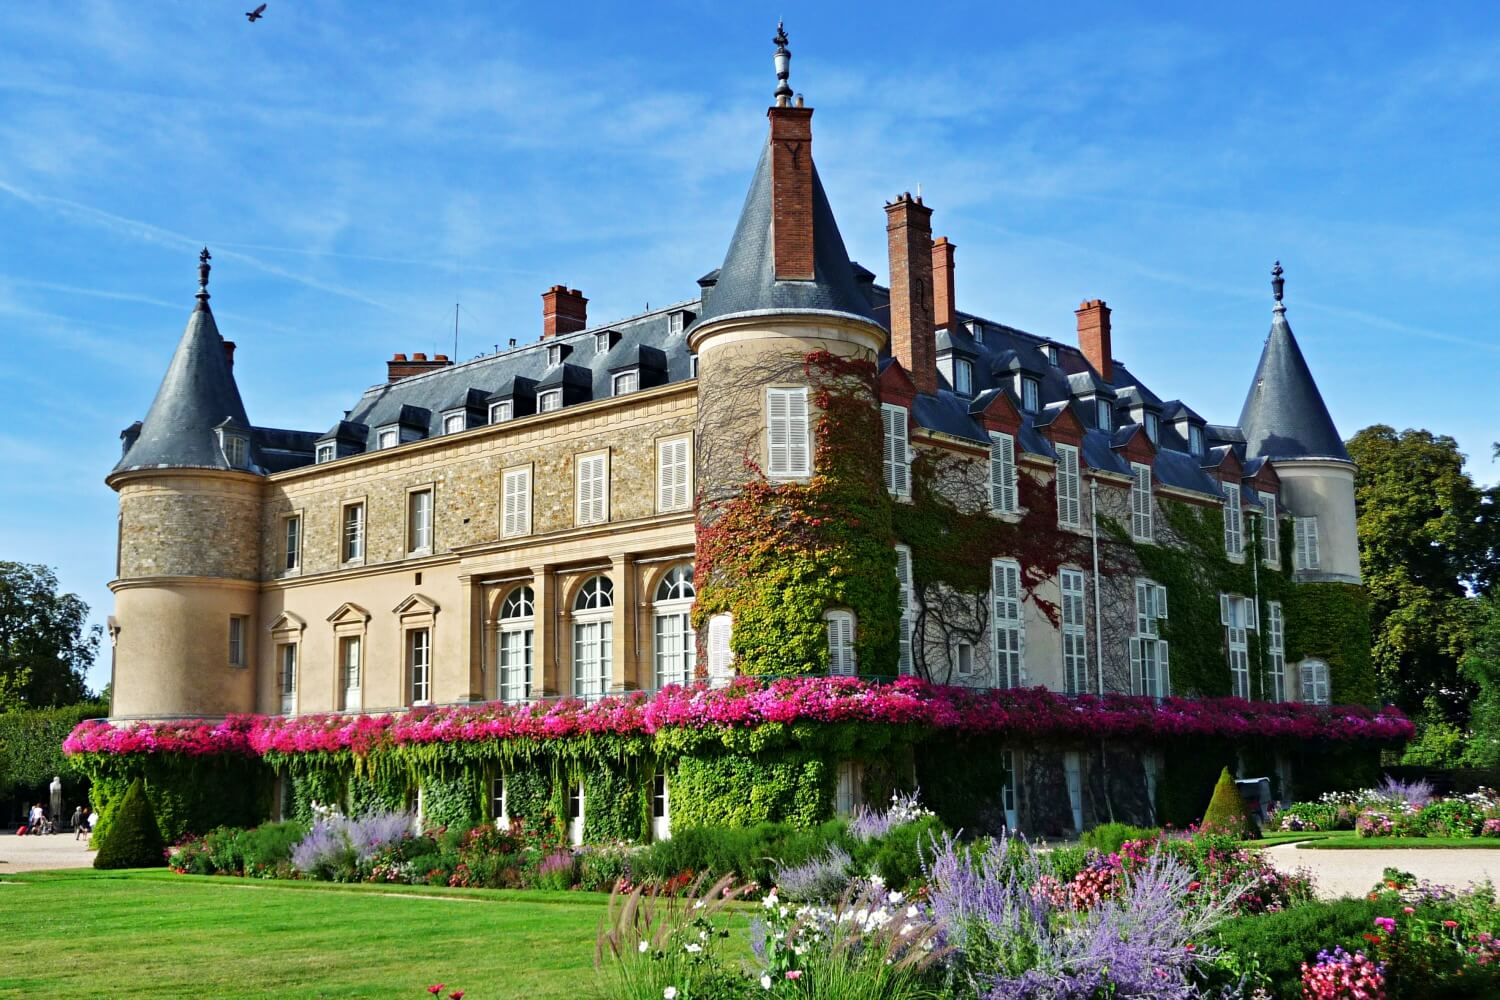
(189, 547)
(1285, 420)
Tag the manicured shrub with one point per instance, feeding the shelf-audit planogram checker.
(898, 858)
(1226, 810)
(1282, 941)
(134, 839)
(1108, 837)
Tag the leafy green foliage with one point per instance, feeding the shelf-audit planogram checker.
(741, 790)
(614, 807)
(31, 747)
(451, 800)
(132, 839)
(1282, 941)
(1107, 837)
(46, 645)
(1481, 665)
(188, 794)
(1226, 810)
(1423, 541)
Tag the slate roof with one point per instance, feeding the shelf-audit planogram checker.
(746, 282)
(196, 396)
(1284, 417)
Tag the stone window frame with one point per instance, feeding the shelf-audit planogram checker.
(349, 621)
(287, 629)
(657, 444)
(415, 613)
(529, 468)
(244, 652)
(364, 545)
(295, 514)
(408, 550)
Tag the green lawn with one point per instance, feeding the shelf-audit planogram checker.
(156, 934)
(1346, 841)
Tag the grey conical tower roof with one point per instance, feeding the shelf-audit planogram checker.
(1284, 416)
(196, 396)
(747, 280)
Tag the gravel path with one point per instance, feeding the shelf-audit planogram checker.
(29, 854)
(1354, 872)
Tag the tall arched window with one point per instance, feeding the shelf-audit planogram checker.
(676, 645)
(593, 637)
(514, 645)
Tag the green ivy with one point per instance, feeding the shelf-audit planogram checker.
(31, 754)
(1331, 621)
(614, 805)
(729, 789)
(188, 794)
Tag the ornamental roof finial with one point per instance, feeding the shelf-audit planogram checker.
(1278, 283)
(783, 67)
(203, 268)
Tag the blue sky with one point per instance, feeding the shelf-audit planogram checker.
(359, 167)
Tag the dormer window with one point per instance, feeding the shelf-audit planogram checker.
(1031, 395)
(626, 382)
(236, 450)
(501, 412)
(1051, 352)
(548, 401)
(1153, 427)
(1104, 415)
(1195, 440)
(963, 377)
(675, 322)
(455, 422)
(976, 330)
(601, 342)
(554, 354)
(326, 453)
(387, 437)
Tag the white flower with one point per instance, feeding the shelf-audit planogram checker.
(692, 949)
(643, 947)
(877, 880)
(770, 901)
(670, 993)
(698, 905)
(896, 897)
(912, 911)
(765, 981)
(907, 928)
(703, 935)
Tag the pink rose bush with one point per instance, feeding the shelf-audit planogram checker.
(748, 703)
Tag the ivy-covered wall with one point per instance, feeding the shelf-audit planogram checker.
(188, 794)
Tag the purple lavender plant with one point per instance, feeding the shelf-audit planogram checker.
(1415, 793)
(872, 824)
(369, 833)
(820, 879)
(324, 847)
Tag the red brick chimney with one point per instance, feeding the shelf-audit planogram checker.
(229, 353)
(564, 310)
(792, 191)
(942, 283)
(1093, 337)
(399, 367)
(908, 229)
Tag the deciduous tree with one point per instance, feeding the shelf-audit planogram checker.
(46, 644)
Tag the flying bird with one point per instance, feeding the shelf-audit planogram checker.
(255, 15)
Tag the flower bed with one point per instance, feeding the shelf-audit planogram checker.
(1394, 809)
(748, 703)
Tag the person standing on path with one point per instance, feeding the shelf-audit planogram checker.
(77, 822)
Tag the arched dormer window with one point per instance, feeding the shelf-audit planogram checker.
(593, 637)
(514, 645)
(676, 643)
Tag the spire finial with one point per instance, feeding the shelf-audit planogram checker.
(1277, 284)
(783, 66)
(203, 268)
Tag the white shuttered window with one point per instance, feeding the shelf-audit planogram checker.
(1069, 510)
(1007, 627)
(1234, 528)
(1149, 664)
(1141, 527)
(1307, 543)
(1003, 499)
(593, 489)
(673, 474)
(516, 500)
(1270, 530)
(906, 604)
(720, 654)
(1075, 645)
(1238, 617)
(1276, 645)
(841, 658)
(896, 460)
(788, 454)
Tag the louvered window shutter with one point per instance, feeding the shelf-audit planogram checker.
(591, 489)
(888, 450)
(1224, 609)
(1068, 512)
(777, 430)
(1137, 676)
(797, 455)
(902, 466)
(1161, 602)
(1140, 502)
(518, 502)
(1003, 473)
(672, 475)
(1166, 668)
(1142, 608)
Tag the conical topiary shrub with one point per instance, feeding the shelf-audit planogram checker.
(132, 839)
(1226, 810)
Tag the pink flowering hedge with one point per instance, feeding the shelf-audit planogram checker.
(750, 702)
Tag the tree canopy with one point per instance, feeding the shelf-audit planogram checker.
(1426, 538)
(46, 644)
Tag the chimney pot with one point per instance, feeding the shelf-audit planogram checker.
(398, 357)
(419, 357)
(564, 310)
(440, 357)
(400, 367)
(1094, 337)
(908, 230)
(229, 353)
